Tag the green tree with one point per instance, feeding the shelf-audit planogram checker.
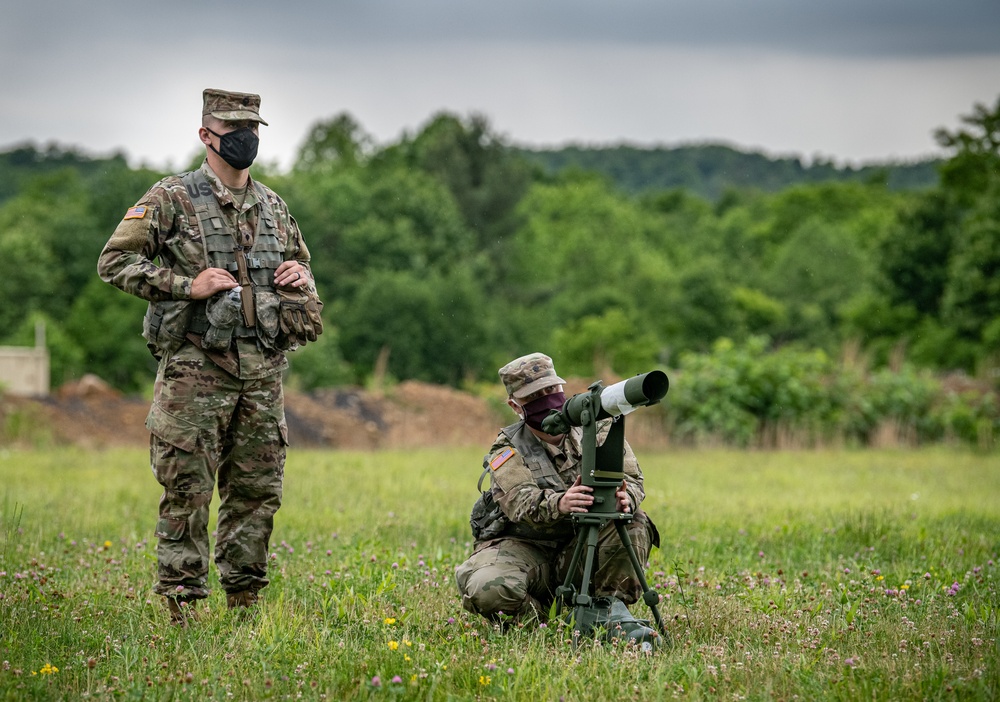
(816, 273)
(31, 277)
(972, 296)
(913, 256)
(339, 142)
(976, 162)
(612, 341)
(433, 327)
(320, 363)
(485, 176)
(107, 325)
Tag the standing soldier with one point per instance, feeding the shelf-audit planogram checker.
(226, 273)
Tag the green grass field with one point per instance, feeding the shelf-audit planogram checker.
(809, 575)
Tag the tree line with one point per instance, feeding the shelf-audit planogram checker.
(449, 251)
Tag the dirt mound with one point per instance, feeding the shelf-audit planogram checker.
(91, 414)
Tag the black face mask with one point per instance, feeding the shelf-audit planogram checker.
(237, 148)
(537, 410)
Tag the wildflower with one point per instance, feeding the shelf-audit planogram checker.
(48, 669)
(451, 620)
(407, 642)
(510, 671)
(393, 645)
(389, 621)
(107, 544)
(376, 681)
(396, 680)
(406, 657)
(484, 679)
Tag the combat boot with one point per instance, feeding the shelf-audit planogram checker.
(182, 611)
(242, 600)
(621, 624)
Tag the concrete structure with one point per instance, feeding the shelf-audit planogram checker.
(25, 370)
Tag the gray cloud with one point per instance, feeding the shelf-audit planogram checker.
(850, 79)
(831, 27)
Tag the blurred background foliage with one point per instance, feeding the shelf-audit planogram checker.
(778, 294)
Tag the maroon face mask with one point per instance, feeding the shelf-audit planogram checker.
(537, 410)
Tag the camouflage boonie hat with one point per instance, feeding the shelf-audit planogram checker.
(528, 374)
(224, 105)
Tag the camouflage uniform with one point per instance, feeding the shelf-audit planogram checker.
(517, 571)
(217, 415)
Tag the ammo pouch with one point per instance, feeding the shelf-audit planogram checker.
(165, 325)
(224, 311)
(487, 520)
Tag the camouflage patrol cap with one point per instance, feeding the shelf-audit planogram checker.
(528, 374)
(228, 106)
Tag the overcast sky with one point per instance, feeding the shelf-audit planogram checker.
(852, 80)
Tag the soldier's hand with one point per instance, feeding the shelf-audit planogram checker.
(577, 498)
(211, 281)
(624, 501)
(291, 274)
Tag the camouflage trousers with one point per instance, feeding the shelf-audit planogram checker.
(209, 427)
(518, 577)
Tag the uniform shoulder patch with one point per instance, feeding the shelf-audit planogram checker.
(501, 458)
(137, 212)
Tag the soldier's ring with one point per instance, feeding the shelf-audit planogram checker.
(297, 275)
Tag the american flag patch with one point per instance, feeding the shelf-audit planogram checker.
(501, 458)
(137, 212)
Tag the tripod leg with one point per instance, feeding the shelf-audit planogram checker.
(564, 593)
(583, 597)
(649, 595)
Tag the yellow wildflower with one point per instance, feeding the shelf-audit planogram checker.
(393, 645)
(484, 679)
(390, 621)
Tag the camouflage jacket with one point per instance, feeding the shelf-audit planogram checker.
(157, 250)
(531, 498)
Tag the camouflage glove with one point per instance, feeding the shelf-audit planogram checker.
(299, 316)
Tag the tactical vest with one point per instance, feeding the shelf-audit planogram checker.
(168, 322)
(488, 520)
